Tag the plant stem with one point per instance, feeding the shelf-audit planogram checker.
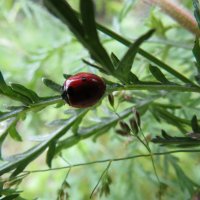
(156, 87)
(117, 159)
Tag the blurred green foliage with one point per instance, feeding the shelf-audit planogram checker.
(34, 44)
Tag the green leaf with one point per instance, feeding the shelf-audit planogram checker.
(25, 92)
(145, 54)
(66, 76)
(182, 142)
(51, 84)
(197, 11)
(2, 139)
(8, 91)
(4, 87)
(14, 133)
(22, 160)
(125, 64)
(3, 136)
(111, 99)
(66, 14)
(195, 51)
(194, 123)
(95, 66)
(115, 60)
(96, 130)
(94, 45)
(19, 169)
(50, 153)
(178, 122)
(156, 72)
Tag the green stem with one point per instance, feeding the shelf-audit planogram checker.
(156, 87)
(117, 159)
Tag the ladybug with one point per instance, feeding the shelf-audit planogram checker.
(83, 90)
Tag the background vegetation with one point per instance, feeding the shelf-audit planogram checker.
(91, 151)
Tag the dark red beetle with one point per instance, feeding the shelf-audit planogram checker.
(83, 90)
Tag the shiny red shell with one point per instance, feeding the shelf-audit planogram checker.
(83, 90)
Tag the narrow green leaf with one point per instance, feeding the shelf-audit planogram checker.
(197, 11)
(167, 140)
(96, 130)
(156, 72)
(14, 133)
(96, 50)
(111, 99)
(18, 161)
(125, 65)
(50, 153)
(25, 91)
(51, 84)
(8, 91)
(3, 136)
(95, 66)
(115, 60)
(3, 86)
(146, 55)
(2, 139)
(196, 50)
(66, 14)
(194, 123)
(19, 168)
(66, 76)
(132, 78)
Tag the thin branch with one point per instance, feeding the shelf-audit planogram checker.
(117, 159)
(156, 87)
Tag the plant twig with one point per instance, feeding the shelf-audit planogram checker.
(117, 159)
